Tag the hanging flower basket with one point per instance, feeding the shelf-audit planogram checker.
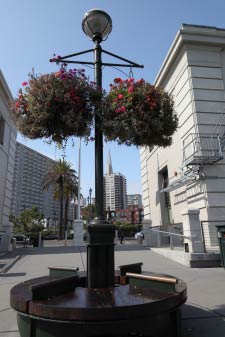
(56, 105)
(138, 113)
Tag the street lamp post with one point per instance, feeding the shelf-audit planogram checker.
(100, 249)
(90, 209)
(90, 192)
(97, 25)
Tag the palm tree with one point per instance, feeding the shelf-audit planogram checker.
(62, 178)
(70, 190)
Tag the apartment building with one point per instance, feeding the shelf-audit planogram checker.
(30, 168)
(134, 199)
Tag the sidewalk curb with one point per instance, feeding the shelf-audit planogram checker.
(10, 264)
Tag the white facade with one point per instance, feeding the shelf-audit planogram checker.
(7, 157)
(193, 166)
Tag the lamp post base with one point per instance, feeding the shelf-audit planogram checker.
(100, 254)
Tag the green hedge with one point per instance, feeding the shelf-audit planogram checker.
(128, 230)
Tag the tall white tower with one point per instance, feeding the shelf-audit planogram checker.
(115, 188)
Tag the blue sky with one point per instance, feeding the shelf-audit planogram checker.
(31, 31)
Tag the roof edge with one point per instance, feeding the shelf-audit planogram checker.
(184, 35)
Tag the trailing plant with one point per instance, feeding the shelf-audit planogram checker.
(64, 103)
(138, 113)
(56, 105)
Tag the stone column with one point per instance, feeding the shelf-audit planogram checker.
(192, 228)
(78, 231)
(147, 233)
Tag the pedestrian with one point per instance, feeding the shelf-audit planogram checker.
(121, 237)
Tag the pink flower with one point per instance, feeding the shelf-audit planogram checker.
(24, 84)
(130, 89)
(121, 109)
(120, 96)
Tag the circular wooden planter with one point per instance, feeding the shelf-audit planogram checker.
(133, 306)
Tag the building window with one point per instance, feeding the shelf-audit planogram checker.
(2, 129)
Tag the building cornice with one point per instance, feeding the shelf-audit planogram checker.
(5, 89)
(190, 34)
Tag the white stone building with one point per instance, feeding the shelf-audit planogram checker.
(190, 174)
(7, 157)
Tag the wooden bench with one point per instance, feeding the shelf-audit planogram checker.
(131, 268)
(63, 271)
(154, 282)
(53, 288)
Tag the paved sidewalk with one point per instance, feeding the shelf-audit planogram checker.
(7, 260)
(203, 313)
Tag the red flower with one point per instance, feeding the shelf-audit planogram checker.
(24, 84)
(117, 80)
(121, 109)
(120, 96)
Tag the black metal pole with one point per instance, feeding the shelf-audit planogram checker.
(100, 233)
(100, 247)
(98, 138)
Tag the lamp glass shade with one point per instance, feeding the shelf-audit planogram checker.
(97, 24)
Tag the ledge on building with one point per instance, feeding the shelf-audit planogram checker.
(192, 260)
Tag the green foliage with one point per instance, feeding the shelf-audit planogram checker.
(128, 230)
(64, 181)
(30, 221)
(89, 212)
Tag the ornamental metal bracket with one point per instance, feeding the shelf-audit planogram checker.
(64, 59)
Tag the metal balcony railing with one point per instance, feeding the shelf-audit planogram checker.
(201, 148)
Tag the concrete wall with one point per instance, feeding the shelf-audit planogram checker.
(7, 157)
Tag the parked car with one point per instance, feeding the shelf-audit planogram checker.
(21, 239)
(50, 237)
(141, 234)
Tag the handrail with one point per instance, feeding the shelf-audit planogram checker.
(170, 233)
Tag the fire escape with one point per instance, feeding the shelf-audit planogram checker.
(199, 149)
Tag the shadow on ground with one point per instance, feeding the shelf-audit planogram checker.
(199, 321)
(12, 274)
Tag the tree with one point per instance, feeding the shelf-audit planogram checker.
(30, 221)
(70, 190)
(62, 178)
(89, 212)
